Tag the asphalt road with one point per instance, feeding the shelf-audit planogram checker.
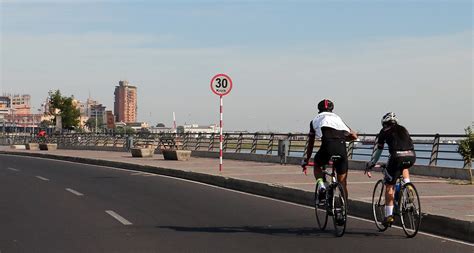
(54, 206)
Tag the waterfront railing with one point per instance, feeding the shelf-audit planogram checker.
(431, 149)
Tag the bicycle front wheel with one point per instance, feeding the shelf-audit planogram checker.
(339, 207)
(378, 204)
(320, 208)
(410, 209)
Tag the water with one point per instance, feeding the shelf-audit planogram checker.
(423, 153)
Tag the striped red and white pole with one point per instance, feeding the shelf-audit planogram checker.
(221, 137)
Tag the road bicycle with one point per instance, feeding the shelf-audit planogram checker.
(330, 200)
(406, 204)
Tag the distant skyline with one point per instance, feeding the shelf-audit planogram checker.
(369, 57)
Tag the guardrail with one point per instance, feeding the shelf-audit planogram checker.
(431, 149)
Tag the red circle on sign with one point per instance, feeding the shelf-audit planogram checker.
(230, 84)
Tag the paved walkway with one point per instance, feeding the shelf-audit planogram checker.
(439, 196)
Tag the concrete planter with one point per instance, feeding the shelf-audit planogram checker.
(179, 155)
(18, 147)
(142, 152)
(48, 146)
(32, 146)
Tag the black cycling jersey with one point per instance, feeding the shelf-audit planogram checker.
(397, 138)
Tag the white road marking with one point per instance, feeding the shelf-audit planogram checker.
(432, 197)
(145, 174)
(42, 178)
(261, 174)
(446, 196)
(119, 218)
(13, 169)
(74, 192)
(254, 195)
(369, 182)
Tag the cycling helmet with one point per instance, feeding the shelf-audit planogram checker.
(389, 119)
(325, 105)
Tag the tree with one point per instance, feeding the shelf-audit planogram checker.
(466, 148)
(63, 107)
(45, 124)
(125, 130)
(90, 123)
(160, 125)
(180, 129)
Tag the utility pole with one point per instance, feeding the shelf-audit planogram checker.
(96, 120)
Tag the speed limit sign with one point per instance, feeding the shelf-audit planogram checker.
(221, 84)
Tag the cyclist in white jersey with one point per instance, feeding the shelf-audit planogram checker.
(333, 133)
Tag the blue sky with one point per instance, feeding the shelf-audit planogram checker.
(242, 23)
(283, 56)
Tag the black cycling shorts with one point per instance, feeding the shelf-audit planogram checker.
(397, 163)
(330, 148)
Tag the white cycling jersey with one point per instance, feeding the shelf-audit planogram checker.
(328, 119)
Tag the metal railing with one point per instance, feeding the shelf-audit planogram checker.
(431, 149)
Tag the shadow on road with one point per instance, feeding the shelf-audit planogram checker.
(267, 230)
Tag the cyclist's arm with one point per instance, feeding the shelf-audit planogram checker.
(376, 156)
(311, 138)
(350, 136)
(380, 144)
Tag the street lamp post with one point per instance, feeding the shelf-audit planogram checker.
(96, 120)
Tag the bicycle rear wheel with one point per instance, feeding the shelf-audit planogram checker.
(410, 209)
(339, 207)
(378, 204)
(320, 209)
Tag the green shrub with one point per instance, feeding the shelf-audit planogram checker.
(466, 146)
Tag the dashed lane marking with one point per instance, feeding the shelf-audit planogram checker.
(74, 192)
(42, 178)
(118, 217)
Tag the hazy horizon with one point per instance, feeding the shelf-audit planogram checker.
(369, 57)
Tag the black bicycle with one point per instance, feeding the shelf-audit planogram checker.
(406, 204)
(330, 201)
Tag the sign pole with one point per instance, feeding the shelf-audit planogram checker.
(221, 137)
(221, 85)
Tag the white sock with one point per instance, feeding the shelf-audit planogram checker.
(406, 180)
(388, 211)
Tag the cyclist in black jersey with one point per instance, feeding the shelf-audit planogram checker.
(333, 133)
(402, 157)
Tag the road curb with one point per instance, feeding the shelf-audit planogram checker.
(434, 224)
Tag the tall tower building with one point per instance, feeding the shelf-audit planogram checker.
(125, 105)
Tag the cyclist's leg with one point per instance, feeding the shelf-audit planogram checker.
(342, 178)
(341, 165)
(408, 161)
(320, 159)
(389, 197)
(341, 170)
(394, 172)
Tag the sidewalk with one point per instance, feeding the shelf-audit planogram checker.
(439, 197)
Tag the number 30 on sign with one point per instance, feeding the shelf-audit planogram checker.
(221, 84)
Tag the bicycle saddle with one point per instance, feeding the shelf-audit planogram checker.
(335, 158)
